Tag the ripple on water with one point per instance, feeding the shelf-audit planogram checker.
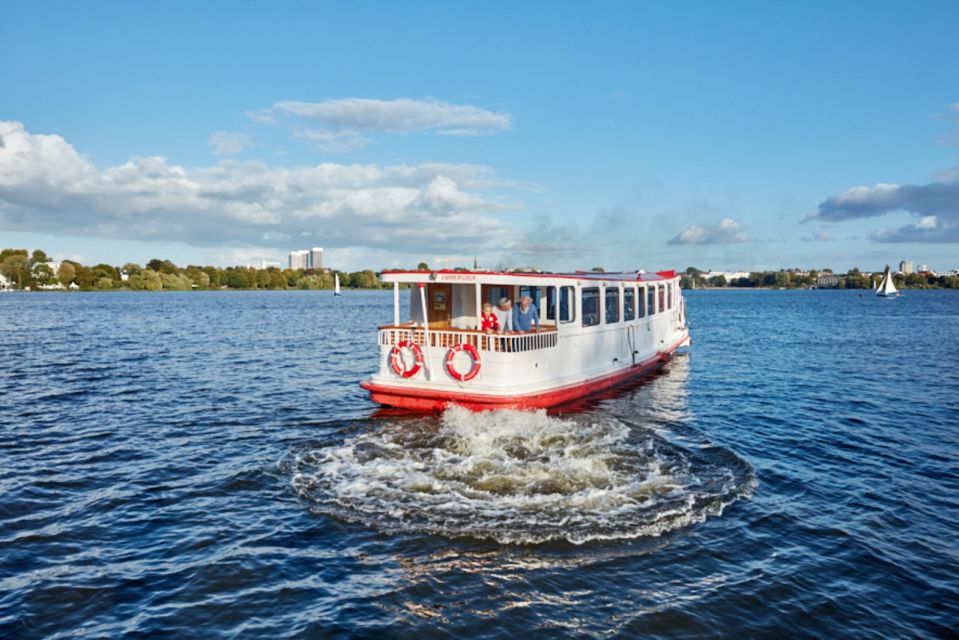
(516, 477)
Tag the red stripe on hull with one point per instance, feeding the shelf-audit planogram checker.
(436, 400)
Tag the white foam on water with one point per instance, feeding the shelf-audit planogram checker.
(516, 477)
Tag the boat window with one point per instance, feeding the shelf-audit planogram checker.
(590, 306)
(629, 304)
(612, 305)
(641, 303)
(661, 303)
(650, 300)
(669, 295)
(567, 313)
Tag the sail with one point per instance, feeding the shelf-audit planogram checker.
(336, 283)
(887, 288)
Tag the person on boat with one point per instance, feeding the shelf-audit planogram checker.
(525, 315)
(504, 315)
(490, 321)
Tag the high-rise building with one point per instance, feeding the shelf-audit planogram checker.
(300, 259)
(923, 268)
(905, 267)
(316, 258)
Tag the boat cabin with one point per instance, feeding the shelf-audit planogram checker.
(448, 304)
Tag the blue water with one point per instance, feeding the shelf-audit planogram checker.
(204, 464)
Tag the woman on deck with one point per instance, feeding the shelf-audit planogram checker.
(525, 315)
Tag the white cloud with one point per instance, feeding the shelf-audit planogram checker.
(337, 125)
(726, 231)
(47, 186)
(935, 206)
(819, 236)
(228, 143)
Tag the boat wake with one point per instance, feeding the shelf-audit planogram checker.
(517, 477)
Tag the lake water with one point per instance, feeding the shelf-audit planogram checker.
(204, 464)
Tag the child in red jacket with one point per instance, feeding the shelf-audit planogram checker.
(490, 322)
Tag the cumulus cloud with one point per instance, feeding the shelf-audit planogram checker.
(726, 231)
(228, 143)
(935, 206)
(46, 185)
(340, 125)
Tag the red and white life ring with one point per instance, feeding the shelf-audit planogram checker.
(397, 364)
(451, 355)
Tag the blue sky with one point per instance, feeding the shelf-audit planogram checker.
(722, 135)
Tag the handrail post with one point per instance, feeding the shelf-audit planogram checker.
(426, 330)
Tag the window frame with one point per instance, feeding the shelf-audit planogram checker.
(616, 291)
(599, 311)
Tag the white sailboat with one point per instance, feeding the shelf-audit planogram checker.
(886, 288)
(336, 284)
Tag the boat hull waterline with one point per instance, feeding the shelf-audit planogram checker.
(437, 400)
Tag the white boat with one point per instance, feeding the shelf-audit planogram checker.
(336, 284)
(596, 330)
(886, 288)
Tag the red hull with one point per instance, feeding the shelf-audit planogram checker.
(435, 400)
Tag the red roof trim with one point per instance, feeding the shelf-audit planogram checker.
(579, 275)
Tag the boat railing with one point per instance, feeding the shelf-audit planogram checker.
(444, 339)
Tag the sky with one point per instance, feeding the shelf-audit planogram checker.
(726, 136)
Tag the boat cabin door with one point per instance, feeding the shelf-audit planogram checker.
(439, 305)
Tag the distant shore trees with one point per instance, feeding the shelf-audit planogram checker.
(31, 271)
(694, 278)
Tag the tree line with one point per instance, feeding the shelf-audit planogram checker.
(29, 271)
(797, 279)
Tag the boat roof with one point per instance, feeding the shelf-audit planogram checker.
(519, 277)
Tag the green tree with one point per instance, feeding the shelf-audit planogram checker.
(277, 279)
(422, 267)
(68, 273)
(43, 275)
(717, 281)
(6, 253)
(162, 266)
(85, 278)
(105, 283)
(197, 276)
(106, 271)
(16, 266)
(364, 279)
(38, 256)
(310, 282)
(237, 278)
(175, 282)
(216, 277)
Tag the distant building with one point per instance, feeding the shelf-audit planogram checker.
(924, 268)
(827, 281)
(307, 258)
(728, 275)
(5, 283)
(54, 267)
(300, 259)
(905, 267)
(266, 264)
(124, 276)
(316, 258)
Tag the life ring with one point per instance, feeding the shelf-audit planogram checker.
(395, 360)
(474, 354)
